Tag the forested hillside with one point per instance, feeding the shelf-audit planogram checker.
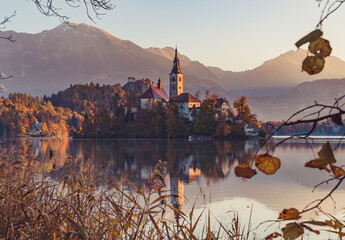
(84, 98)
(19, 112)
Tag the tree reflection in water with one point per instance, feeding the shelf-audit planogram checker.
(135, 159)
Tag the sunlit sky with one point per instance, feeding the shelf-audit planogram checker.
(231, 34)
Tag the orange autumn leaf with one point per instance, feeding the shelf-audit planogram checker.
(267, 163)
(337, 171)
(289, 214)
(244, 171)
(317, 163)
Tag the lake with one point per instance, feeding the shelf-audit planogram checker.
(202, 173)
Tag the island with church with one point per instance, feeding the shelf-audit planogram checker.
(138, 109)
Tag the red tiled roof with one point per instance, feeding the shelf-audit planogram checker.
(187, 97)
(155, 93)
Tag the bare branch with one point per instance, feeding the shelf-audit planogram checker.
(2, 26)
(324, 182)
(4, 77)
(331, 9)
(7, 19)
(93, 8)
(9, 38)
(320, 201)
(321, 111)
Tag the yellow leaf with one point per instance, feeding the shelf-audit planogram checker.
(313, 65)
(292, 231)
(309, 38)
(318, 163)
(267, 163)
(320, 48)
(244, 171)
(289, 214)
(326, 153)
(337, 171)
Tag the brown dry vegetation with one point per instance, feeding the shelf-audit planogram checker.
(71, 203)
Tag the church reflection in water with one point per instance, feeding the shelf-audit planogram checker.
(136, 159)
(187, 162)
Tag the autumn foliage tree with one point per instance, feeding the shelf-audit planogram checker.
(244, 113)
(19, 112)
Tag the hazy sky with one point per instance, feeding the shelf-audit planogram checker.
(230, 34)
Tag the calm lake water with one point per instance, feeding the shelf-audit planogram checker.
(203, 173)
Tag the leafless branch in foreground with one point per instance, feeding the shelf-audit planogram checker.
(2, 26)
(4, 77)
(7, 19)
(9, 38)
(329, 9)
(318, 202)
(93, 8)
(313, 114)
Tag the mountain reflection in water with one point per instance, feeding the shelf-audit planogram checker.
(203, 169)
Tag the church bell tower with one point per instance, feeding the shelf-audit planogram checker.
(176, 78)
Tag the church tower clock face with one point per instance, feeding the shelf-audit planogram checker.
(176, 78)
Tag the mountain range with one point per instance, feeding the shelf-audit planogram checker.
(303, 95)
(51, 60)
(45, 62)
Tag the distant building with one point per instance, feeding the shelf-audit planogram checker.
(187, 103)
(251, 130)
(36, 128)
(152, 95)
(176, 78)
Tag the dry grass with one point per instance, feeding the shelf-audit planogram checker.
(70, 204)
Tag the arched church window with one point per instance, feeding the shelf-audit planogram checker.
(173, 79)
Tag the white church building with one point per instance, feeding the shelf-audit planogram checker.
(187, 103)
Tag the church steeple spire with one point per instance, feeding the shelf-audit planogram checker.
(176, 78)
(176, 64)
